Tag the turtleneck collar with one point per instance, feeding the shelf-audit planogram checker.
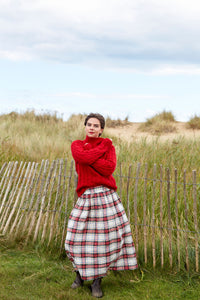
(93, 141)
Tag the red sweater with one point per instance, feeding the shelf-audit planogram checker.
(95, 161)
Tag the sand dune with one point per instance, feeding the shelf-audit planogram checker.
(132, 133)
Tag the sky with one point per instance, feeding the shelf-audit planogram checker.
(120, 58)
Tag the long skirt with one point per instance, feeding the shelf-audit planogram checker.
(98, 235)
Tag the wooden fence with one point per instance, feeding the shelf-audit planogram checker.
(162, 206)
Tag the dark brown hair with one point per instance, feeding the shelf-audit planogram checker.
(96, 116)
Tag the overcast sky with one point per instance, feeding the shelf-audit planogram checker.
(121, 58)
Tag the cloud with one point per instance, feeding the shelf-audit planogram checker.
(138, 35)
(107, 97)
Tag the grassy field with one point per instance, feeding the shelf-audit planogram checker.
(40, 274)
(31, 275)
(31, 137)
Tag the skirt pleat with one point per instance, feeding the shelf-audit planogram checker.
(98, 235)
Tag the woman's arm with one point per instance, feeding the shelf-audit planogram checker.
(106, 166)
(83, 156)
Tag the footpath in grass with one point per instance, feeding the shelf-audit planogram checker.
(31, 275)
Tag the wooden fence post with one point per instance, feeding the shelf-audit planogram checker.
(161, 217)
(4, 215)
(56, 202)
(135, 205)
(127, 192)
(186, 222)
(23, 195)
(16, 200)
(177, 221)
(153, 217)
(169, 218)
(195, 220)
(9, 185)
(27, 198)
(33, 220)
(42, 206)
(66, 204)
(62, 199)
(144, 213)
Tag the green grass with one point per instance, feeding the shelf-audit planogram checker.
(30, 274)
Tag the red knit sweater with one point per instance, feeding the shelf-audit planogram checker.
(95, 161)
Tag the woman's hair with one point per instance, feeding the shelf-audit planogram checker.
(97, 116)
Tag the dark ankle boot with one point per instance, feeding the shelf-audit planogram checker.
(96, 288)
(77, 282)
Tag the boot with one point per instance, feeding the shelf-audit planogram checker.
(77, 282)
(96, 288)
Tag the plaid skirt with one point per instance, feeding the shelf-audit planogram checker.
(98, 235)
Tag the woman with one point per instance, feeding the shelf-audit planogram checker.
(98, 234)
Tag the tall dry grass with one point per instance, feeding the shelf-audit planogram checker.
(160, 123)
(32, 137)
(35, 137)
(194, 122)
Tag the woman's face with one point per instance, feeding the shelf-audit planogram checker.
(93, 128)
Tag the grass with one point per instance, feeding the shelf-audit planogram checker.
(115, 123)
(30, 274)
(31, 137)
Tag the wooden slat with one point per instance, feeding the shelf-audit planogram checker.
(6, 209)
(56, 201)
(127, 192)
(144, 213)
(135, 206)
(42, 206)
(49, 201)
(75, 185)
(16, 201)
(177, 221)
(153, 217)
(19, 209)
(120, 180)
(8, 183)
(25, 207)
(31, 204)
(66, 205)
(186, 222)
(161, 217)
(36, 207)
(2, 169)
(61, 202)
(195, 220)
(169, 218)
(5, 178)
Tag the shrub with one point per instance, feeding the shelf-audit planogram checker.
(193, 123)
(160, 123)
(110, 123)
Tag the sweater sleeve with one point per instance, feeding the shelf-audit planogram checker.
(83, 156)
(106, 166)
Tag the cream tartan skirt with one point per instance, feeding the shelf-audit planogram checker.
(98, 235)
